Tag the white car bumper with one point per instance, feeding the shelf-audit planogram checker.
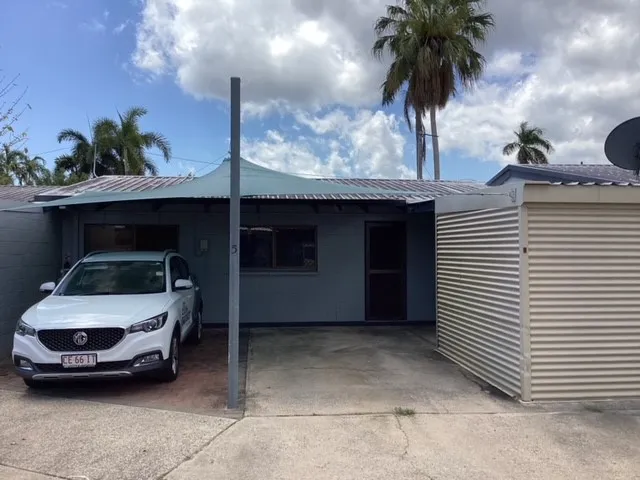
(119, 361)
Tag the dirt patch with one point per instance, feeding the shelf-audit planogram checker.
(200, 388)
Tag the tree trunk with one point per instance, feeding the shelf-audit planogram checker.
(436, 147)
(419, 145)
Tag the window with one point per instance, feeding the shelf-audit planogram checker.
(280, 248)
(184, 268)
(130, 237)
(115, 278)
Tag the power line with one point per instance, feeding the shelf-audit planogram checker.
(53, 151)
(216, 162)
(173, 157)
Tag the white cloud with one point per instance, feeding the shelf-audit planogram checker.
(571, 68)
(93, 26)
(118, 29)
(305, 52)
(584, 81)
(362, 144)
(105, 14)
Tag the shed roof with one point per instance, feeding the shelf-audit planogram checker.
(541, 192)
(256, 182)
(566, 173)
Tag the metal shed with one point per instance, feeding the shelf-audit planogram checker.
(538, 288)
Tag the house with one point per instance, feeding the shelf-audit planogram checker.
(313, 251)
(533, 282)
(538, 287)
(563, 173)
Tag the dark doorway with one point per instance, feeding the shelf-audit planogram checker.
(386, 277)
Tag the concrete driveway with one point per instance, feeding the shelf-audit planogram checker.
(339, 370)
(320, 406)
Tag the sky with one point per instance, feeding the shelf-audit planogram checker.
(310, 86)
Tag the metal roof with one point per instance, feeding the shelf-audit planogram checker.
(588, 184)
(595, 172)
(132, 183)
(117, 183)
(566, 173)
(18, 193)
(256, 182)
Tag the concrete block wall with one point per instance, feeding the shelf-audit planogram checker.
(30, 254)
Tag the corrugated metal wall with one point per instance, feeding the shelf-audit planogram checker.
(584, 301)
(478, 293)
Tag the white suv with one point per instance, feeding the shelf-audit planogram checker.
(114, 314)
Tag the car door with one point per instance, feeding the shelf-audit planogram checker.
(189, 295)
(185, 297)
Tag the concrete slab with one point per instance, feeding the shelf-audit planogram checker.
(68, 438)
(342, 370)
(440, 446)
(8, 473)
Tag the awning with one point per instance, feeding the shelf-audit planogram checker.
(255, 182)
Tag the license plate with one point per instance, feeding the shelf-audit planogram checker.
(79, 361)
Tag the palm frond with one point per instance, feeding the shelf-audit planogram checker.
(509, 148)
(538, 157)
(524, 157)
(156, 140)
(71, 135)
(133, 114)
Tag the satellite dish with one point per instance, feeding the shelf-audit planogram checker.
(622, 146)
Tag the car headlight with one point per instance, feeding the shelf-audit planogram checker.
(150, 325)
(23, 328)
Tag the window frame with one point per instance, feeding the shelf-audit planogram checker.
(274, 268)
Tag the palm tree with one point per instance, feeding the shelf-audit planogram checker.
(79, 163)
(433, 47)
(18, 166)
(128, 144)
(118, 147)
(530, 144)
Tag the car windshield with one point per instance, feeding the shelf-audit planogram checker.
(115, 278)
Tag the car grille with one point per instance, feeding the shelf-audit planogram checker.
(61, 340)
(100, 367)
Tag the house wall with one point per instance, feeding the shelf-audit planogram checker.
(584, 299)
(30, 245)
(335, 293)
(478, 293)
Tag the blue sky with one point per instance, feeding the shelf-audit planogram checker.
(76, 63)
(74, 69)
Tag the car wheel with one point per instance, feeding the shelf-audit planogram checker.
(33, 383)
(171, 370)
(195, 335)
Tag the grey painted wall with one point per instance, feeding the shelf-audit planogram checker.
(30, 245)
(335, 293)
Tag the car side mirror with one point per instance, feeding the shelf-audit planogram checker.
(47, 287)
(183, 284)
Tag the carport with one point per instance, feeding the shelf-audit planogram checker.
(362, 257)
